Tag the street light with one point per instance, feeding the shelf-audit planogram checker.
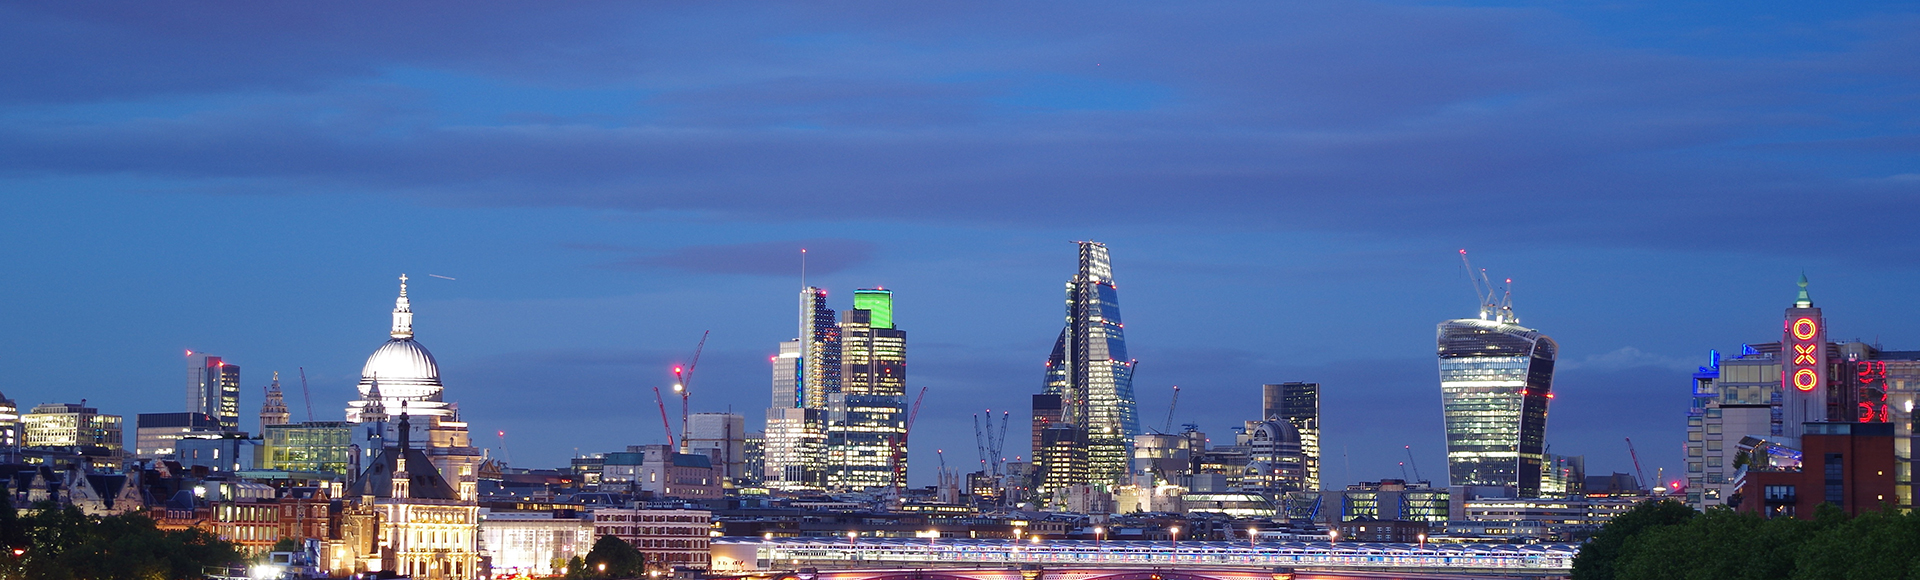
(1098, 532)
(1333, 536)
(1176, 541)
(1252, 534)
(1423, 541)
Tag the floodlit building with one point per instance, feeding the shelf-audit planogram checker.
(1090, 371)
(1496, 378)
(273, 410)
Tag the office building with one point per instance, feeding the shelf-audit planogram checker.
(224, 451)
(273, 411)
(754, 460)
(662, 471)
(805, 372)
(313, 446)
(867, 416)
(534, 543)
(667, 537)
(1394, 499)
(74, 428)
(1496, 378)
(796, 449)
(155, 433)
(1850, 466)
(722, 437)
(9, 429)
(1090, 371)
(1298, 404)
(213, 388)
(1274, 461)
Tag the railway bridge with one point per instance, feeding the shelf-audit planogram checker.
(973, 559)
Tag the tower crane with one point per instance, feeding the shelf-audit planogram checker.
(683, 384)
(665, 424)
(980, 439)
(1415, 464)
(307, 393)
(1170, 407)
(1636, 463)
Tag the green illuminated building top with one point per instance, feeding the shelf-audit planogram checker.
(877, 300)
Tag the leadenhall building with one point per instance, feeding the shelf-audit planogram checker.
(414, 501)
(1776, 409)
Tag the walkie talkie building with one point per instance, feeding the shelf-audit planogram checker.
(1496, 378)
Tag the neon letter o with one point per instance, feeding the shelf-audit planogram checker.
(1805, 379)
(1804, 329)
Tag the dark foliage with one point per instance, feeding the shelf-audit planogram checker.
(611, 557)
(57, 543)
(1661, 542)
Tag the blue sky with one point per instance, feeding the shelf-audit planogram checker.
(1284, 188)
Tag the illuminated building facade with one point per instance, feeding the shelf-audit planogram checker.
(1496, 378)
(668, 537)
(1771, 391)
(1090, 371)
(805, 372)
(156, 433)
(76, 428)
(421, 498)
(867, 417)
(1299, 405)
(213, 387)
(316, 446)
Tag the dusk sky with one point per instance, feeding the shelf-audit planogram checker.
(1284, 186)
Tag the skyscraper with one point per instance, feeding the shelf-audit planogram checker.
(805, 372)
(1090, 371)
(866, 419)
(1299, 405)
(213, 387)
(1496, 378)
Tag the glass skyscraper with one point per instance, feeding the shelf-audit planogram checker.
(867, 419)
(1496, 378)
(805, 373)
(1090, 371)
(1298, 404)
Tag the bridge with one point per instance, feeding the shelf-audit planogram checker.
(977, 559)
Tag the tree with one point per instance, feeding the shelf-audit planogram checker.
(1597, 557)
(61, 543)
(619, 558)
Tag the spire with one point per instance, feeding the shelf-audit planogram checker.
(402, 313)
(274, 410)
(376, 411)
(405, 431)
(1803, 301)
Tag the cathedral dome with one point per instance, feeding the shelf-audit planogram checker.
(401, 373)
(401, 360)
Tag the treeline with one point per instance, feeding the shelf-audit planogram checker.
(1668, 540)
(55, 543)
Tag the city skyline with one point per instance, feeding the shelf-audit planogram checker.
(1285, 187)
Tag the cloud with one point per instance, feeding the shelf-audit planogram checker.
(823, 256)
(1365, 118)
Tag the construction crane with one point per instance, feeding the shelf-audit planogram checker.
(906, 431)
(980, 439)
(998, 446)
(1415, 464)
(309, 394)
(1636, 462)
(1171, 405)
(683, 384)
(665, 423)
